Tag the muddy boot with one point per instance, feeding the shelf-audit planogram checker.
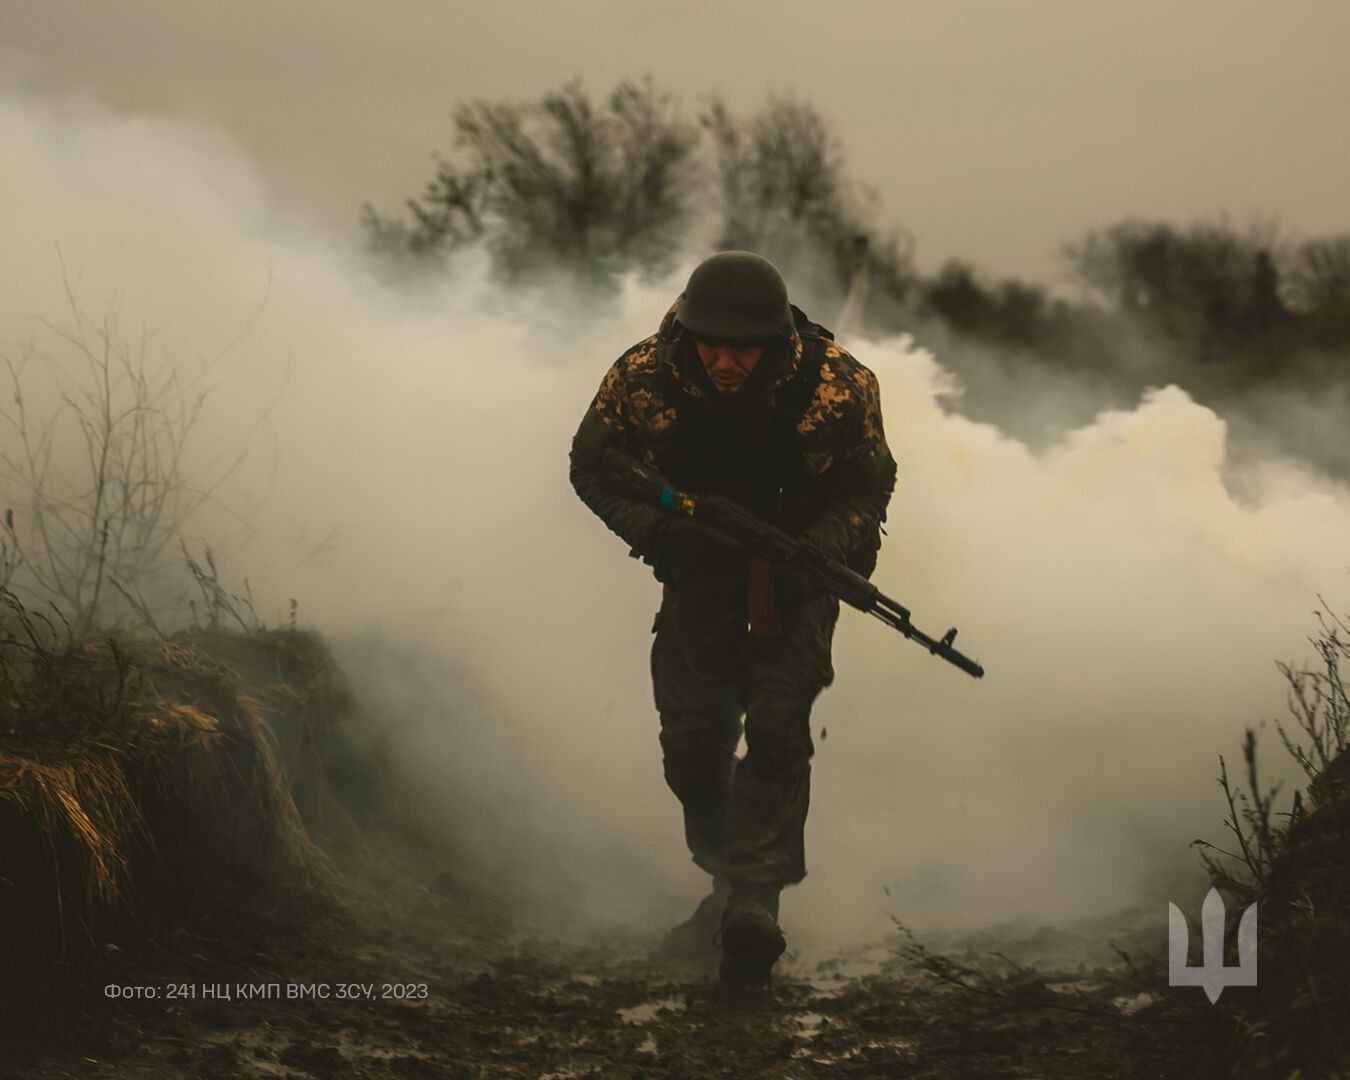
(750, 938)
(695, 936)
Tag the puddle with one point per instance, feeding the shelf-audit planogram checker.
(647, 1011)
(839, 968)
(1131, 1004)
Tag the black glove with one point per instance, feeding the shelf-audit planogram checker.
(796, 584)
(681, 543)
(827, 541)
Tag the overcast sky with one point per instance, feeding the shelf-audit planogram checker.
(993, 131)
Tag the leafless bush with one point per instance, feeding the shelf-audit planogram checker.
(94, 469)
(1251, 821)
(1318, 703)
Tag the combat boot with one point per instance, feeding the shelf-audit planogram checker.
(695, 936)
(750, 938)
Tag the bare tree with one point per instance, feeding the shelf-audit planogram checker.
(598, 187)
(1181, 277)
(1320, 277)
(780, 172)
(605, 189)
(785, 192)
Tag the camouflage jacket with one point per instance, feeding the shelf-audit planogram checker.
(805, 447)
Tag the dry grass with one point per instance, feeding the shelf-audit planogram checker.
(132, 771)
(306, 702)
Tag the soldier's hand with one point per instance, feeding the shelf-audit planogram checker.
(682, 542)
(827, 542)
(797, 583)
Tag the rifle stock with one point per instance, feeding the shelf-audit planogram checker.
(625, 475)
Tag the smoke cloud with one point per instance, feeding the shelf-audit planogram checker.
(405, 481)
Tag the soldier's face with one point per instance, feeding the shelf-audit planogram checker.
(728, 364)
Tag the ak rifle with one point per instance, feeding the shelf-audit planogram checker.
(627, 476)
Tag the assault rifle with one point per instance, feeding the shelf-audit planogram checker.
(626, 476)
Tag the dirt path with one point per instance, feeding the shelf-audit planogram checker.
(425, 982)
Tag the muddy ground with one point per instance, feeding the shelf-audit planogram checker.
(427, 978)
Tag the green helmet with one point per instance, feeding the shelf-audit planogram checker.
(736, 296)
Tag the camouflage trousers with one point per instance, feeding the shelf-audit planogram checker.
(743, 819)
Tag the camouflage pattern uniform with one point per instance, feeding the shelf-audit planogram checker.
(802, 445)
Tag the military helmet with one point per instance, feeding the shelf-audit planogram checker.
(736, 296)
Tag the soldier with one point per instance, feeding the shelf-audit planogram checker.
(740, 394)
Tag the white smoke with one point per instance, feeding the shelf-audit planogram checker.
(407, 476)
